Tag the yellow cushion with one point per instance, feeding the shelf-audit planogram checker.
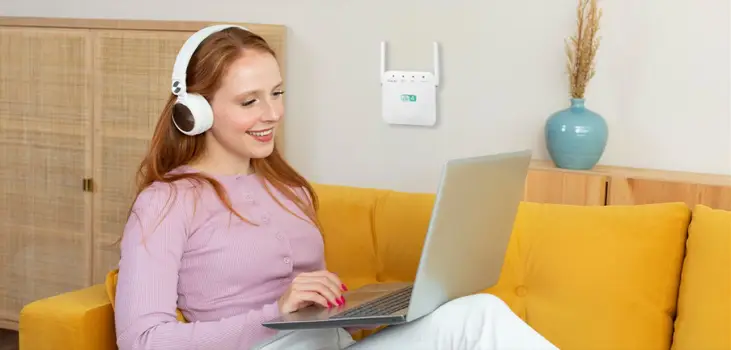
(346, 216)
(593, 277)
(401, 222)
(110, 284)
(704, 303)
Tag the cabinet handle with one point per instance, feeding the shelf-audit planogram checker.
(87, 185)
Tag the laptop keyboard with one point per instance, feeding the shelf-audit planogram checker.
(382, 306)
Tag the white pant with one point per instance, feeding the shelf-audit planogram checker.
(480, 321)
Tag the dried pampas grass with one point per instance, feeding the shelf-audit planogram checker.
(581, 48)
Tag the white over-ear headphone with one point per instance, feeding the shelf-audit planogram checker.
(192, 114)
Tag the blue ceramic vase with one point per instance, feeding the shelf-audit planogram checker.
(576, 137)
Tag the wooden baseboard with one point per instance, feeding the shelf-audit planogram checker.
(11, 325)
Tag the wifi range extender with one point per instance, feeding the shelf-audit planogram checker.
(409, 97)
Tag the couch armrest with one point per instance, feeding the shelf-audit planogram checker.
(79, 320)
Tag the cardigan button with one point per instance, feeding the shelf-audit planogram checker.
(249, 198)
(521, 291)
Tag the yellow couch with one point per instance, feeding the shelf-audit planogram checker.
(626, 277)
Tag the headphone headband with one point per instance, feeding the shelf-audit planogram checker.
(186, 52)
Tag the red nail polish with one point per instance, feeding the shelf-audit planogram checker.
(344, 287)
(343, 299)
(329, 304)
(338, 301)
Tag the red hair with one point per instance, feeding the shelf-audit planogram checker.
(170, 149)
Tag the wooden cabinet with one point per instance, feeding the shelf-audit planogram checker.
(627, 191)
(607, 185)
(78, 102)
(565, 187)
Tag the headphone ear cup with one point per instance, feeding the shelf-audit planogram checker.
(192, 114)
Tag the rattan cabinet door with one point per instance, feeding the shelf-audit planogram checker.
(45, 153)
(133, 71)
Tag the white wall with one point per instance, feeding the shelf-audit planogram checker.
(662, 82)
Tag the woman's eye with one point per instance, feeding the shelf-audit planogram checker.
(248, 103)
(279, 93)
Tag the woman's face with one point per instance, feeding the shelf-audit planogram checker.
(247, 107)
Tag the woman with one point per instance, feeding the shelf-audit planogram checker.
(225, 230)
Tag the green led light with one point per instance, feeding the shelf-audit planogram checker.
(408, 98)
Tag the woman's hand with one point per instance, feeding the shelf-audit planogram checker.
(319, 287)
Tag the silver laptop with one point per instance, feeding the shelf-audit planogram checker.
(463, 252)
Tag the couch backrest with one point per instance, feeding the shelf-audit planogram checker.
(371, 234)
(580, 275)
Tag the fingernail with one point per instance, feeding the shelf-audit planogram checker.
(329, 304)
(343, 299)
(338, 301)
(344, 288)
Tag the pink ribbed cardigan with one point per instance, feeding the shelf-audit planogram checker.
(224, 274)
